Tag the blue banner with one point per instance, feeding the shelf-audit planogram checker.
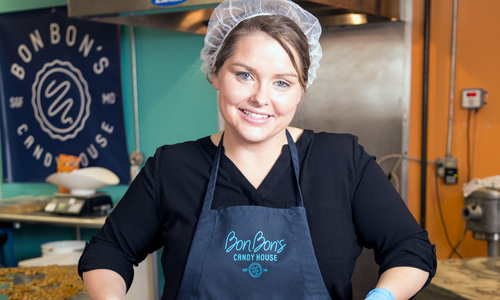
(60, 93)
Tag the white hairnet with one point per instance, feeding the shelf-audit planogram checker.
(231, 12)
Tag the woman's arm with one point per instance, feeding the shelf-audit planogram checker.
(402, 282)
(102, 284)
(384, 223)
(130, 233)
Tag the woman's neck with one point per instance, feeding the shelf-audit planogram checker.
(255, 160)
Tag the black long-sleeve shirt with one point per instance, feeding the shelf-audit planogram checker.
(350, 203)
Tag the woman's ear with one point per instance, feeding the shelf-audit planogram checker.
(215, 80)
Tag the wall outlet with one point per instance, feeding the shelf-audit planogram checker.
(447, 169)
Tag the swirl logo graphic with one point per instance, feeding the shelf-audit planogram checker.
(61, 100)
(255, 270)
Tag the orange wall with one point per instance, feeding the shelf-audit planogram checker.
(477, 65)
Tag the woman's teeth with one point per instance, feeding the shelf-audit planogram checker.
(254, 115)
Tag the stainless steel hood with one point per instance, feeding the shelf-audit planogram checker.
(193, 15)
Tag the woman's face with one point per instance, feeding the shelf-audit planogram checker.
(259, 89)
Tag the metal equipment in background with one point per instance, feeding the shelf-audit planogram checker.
(193, 15)
(482, 215)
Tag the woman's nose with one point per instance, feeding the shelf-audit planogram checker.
(261, 95)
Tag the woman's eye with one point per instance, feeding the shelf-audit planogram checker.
(282, 84)
(244, 75)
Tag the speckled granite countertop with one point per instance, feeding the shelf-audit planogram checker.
(469, 278)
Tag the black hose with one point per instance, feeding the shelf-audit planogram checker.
(425, 96)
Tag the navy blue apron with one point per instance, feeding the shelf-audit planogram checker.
(252, 252)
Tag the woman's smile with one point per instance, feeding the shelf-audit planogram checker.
(255, 115)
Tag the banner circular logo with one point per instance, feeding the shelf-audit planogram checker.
(61, 100)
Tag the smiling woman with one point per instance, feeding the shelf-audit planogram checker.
(261, 206)
(261, 72)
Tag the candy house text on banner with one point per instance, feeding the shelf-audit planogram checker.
(60, 93)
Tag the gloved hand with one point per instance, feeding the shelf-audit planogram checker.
(379, 294)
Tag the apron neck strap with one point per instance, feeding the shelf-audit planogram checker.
(209, 195)
(296, 166)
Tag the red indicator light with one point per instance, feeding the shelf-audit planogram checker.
(471, 94)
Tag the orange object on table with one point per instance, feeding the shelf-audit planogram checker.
(67, 163)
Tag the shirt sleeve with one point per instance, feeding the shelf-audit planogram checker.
(384, 223)
(130, 232)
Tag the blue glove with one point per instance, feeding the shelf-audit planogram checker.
(379, 294)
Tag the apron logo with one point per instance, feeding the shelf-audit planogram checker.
(259, 242)
(251, 249)
(255, 270)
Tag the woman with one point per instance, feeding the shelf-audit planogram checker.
(272, 212)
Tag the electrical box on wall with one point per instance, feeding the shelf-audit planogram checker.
(473, 98)
(447, 168)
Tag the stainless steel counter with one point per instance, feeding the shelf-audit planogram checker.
(58, 220)
(41, 217)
